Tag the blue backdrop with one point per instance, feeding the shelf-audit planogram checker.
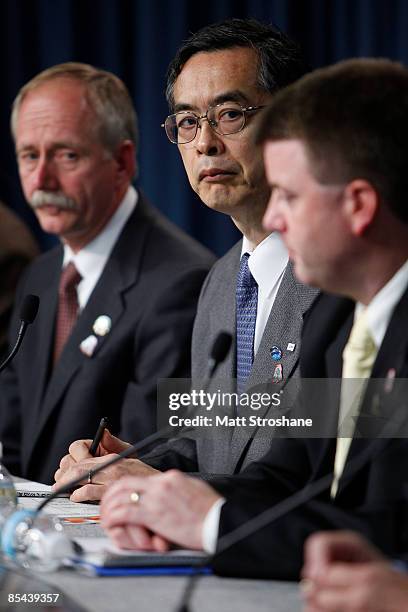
(136, 39)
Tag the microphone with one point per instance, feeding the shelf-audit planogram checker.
(47, 544)
(28, 313)
(219, 351)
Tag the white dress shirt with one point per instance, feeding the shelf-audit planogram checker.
(267, 263)
(91, 260)
(379, 312)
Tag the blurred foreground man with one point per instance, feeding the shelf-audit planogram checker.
(338, 197)
(118, 297)
(219, 81)
(342, 571)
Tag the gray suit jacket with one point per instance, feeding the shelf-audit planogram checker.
(228, 450)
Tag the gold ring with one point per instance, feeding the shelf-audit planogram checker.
(306, 586)
(135, 497)
(90, 474)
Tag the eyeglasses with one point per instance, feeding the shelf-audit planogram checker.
(226, 118)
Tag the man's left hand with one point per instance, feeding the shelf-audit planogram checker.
(171, 508)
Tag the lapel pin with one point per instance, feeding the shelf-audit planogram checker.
(389, 381)
(102, 325)
(291, 347)
(276, 353)
(88, 345)
(277, 374)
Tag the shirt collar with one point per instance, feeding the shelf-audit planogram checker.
(267, 261)
(380, 309)
(92, 258)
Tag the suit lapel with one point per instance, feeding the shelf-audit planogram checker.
(226, 313)
(120, 273)
(283, 328)
(44, 343)
(324, 335)
(392, 357)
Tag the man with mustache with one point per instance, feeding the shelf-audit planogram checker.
(219, 81)
(117, 297)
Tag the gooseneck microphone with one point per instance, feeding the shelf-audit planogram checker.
(28, 313)
(219, 352)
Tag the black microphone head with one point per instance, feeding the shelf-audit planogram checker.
(29, 308)
(221, 347)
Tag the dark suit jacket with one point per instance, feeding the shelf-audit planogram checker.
(149, 288)
(223, 450)
(17, 249)
(370, 500)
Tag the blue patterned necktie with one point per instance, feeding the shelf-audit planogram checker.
(247, 303)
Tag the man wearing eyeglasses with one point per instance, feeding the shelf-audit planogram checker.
(217, 84)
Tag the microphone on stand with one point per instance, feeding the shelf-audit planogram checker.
(28, 313)
(56, 545)
(219, 351)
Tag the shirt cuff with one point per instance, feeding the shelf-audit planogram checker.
(209, 534)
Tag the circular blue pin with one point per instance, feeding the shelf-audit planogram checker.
(276, 353)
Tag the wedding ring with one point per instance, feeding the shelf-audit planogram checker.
(90, 474)
(135, 497)
(306, 586)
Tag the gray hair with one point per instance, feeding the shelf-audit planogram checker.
(106, 94)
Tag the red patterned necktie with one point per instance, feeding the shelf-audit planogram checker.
(67, 307)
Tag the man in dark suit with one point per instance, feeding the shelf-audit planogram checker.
(218, 72)
(17, 248)
(117, 298)
(338, 197)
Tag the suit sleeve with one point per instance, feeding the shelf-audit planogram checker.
(276, 551)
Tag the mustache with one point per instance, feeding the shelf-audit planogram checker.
(55, 198)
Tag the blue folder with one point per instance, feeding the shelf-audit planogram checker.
(170, 570)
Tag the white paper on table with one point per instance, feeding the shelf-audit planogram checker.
(33, 487)
(61, 507)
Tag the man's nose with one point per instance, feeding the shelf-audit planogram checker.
(45, 175)
(274, 219)
(208, 142)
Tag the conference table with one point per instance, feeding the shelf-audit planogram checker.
(82, 593)
(155, 594)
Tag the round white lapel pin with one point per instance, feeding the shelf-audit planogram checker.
(102, 325)
(88, 346)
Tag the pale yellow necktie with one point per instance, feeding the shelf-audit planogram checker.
(358, 358)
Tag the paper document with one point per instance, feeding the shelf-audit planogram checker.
(29, 494)
(32, 489)
(61, 507)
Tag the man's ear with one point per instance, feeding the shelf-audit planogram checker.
(126, 159)
(361, 203)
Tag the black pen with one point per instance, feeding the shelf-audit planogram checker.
(98, 436)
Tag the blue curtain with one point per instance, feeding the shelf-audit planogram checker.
(136, 39)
